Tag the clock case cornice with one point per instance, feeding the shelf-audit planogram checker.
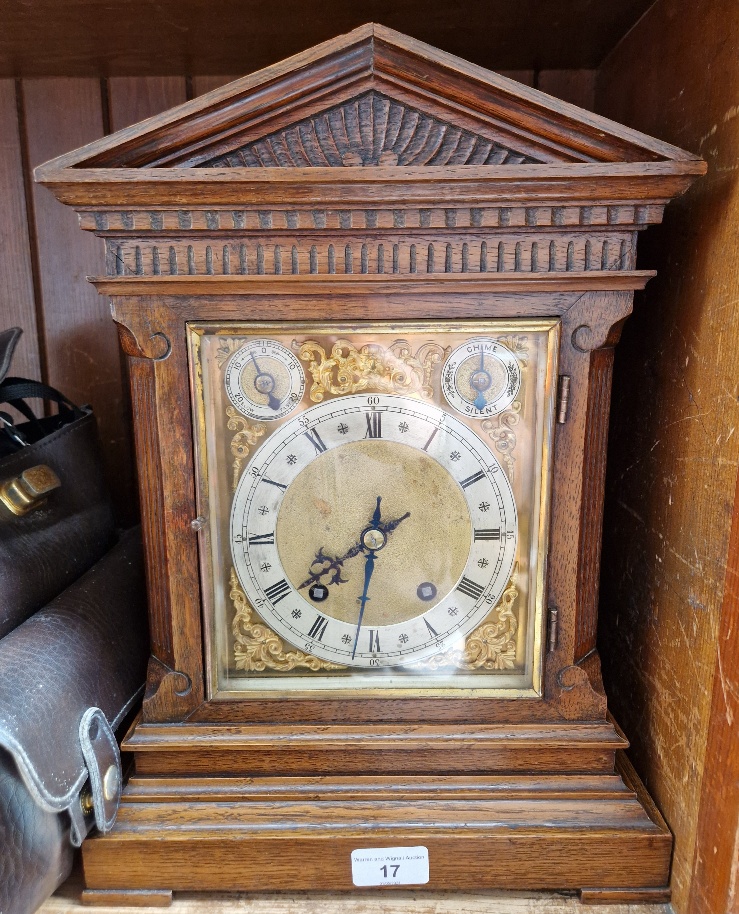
(347, 158)
(458, 102)
(130, 287)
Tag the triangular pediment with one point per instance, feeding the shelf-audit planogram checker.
(371, 129)
(372, 98)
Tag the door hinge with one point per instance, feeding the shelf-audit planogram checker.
(563, 398)
(552, 630)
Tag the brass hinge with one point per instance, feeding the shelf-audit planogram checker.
(563, 398)
(552, 630)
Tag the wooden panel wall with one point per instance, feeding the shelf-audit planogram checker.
(141, 38)
(666, 596)
(69, 339)
(57, 114)
(17, 304)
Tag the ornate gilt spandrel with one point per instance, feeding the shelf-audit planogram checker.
(226, 348)
(257, 648)
(247, 435)
(348, 369)
(502, 427)
(492, 646)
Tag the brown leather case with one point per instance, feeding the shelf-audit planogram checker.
(68, 677)
(73, 638)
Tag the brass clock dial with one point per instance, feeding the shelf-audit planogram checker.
(373, 531)
(264, 380)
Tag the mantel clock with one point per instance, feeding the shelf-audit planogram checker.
(369, 298)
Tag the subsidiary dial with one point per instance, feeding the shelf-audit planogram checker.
(264, 380)
(482, 377)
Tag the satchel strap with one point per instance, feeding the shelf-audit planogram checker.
(8, 342)
(15, 391)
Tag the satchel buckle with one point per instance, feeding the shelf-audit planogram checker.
(103, 761)
(29, 490)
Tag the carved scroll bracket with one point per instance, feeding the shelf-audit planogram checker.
(575, 696)
(169, 693)
(144, 343)
(597, 324)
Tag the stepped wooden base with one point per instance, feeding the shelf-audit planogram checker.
(129, 898)
(513, 830)
(625, 896)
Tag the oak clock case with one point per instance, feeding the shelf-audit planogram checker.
(374, 503)
(297, 264)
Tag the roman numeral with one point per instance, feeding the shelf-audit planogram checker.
(374, 425)
(470, 588)
(493, 534)
(432, 630)
(476, 477)
(273, 483)
(315, 440)
(262, 539)
(431, 438)
(318, 628)
(278, 591)
(374, 640)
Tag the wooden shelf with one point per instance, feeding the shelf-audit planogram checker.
(67, 901)
(97, 37)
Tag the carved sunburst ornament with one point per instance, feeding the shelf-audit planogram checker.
(371, 129)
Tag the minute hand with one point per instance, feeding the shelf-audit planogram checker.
(272, 400)
(369, 567)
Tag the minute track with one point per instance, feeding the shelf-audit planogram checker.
(331, 485)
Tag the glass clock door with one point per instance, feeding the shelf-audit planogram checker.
(376, 503)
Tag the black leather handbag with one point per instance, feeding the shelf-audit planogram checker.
(73, 639)
(55, 515)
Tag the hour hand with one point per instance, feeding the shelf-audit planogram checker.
(324, 564)
(373, 537)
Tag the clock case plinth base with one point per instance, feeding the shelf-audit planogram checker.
(519, 801)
